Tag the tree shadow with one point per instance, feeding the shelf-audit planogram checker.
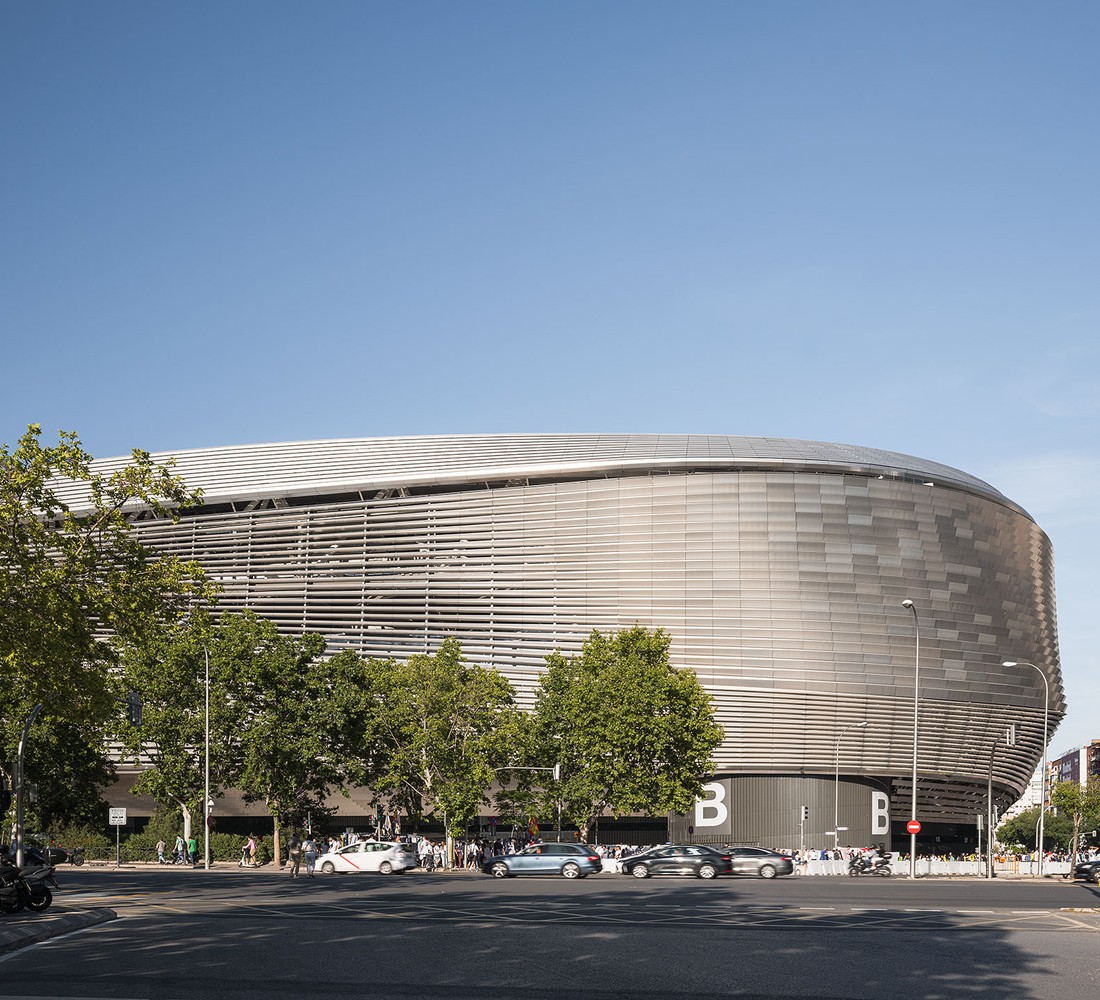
(463, 936)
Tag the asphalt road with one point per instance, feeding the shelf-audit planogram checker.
(242, 934)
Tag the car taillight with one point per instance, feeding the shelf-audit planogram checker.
(726, 857)
(593, 857)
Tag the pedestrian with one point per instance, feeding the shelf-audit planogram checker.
(192, 850)
(294, 854)
(309, 848)
(160, 852)
(248, 855)
(179, 850)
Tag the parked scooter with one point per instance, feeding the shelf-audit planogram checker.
(25, 887)
(880, 865)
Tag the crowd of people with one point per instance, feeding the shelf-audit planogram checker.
(471, 852)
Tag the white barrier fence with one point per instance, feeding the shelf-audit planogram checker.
(931, 866)
(925, 866)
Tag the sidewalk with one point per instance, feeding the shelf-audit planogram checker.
(17, 930)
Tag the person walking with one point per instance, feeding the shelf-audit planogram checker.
(192, 850)
(294, 854)
(160, 852)
(309, 848)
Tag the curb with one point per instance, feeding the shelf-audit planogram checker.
(22, 929)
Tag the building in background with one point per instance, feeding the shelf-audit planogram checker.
(779, 568)
(1078, 765)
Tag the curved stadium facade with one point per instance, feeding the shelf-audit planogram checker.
(777, 566)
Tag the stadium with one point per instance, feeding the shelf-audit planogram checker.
(778, 567)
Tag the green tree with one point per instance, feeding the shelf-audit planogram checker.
(1080, 804)
(631, 732)
(442, 727)
(284, 742)
(169, 669)
(73, 585)
(1021, 831)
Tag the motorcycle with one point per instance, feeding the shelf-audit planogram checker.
(54, 856)
(25, 887)
(865, 866)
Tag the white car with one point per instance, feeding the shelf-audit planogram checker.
(367, 856)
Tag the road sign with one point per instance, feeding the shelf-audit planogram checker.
(117, 816)
(913, 826)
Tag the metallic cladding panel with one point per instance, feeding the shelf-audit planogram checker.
(780, 587)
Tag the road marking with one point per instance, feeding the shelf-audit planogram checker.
(817, 907)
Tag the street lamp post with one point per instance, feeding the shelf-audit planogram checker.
(206, 765)
(910, 606)
(1046, 723)
(836, 782)
(1010, 740)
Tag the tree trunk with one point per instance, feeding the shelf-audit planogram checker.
(186, 820)
(276, 839)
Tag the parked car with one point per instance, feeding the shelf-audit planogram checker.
(678, 859)
(760, 861)
(567, 860)
(1088, 870)
(368, 856)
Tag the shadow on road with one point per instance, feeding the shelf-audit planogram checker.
(439, 936)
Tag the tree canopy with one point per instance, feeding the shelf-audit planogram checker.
(442, 727)
(631, 732)
(74, 584)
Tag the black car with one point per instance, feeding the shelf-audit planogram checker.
(759, 861)
(677, 859)
(1088, 870)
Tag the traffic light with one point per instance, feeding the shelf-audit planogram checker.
(133, 708)
(805, 813)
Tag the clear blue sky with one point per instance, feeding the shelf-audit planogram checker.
(866, 222)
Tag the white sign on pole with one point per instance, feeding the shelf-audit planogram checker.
(117, 816)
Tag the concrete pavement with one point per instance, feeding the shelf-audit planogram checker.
(17, 930)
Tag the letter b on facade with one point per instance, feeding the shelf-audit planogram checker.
(712, 811)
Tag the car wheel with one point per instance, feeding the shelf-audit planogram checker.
(386, 868)
(78, 859)
(570, 870)
(707, 871)
(327, 867)
(767, 871)
(640, 871)
(499, 870)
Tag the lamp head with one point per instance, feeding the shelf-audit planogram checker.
(1009, 663)
(907, 604)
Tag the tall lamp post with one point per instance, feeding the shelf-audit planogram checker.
(910, 606)
(836, 782)
(1046, 723)
(206, 766)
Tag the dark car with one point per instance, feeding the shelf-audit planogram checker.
(567, 860)
(1088, 870)
(677, 859)
(759, 861)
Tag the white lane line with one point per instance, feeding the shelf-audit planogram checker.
(817, 907)
(912, 909)
(976, 911)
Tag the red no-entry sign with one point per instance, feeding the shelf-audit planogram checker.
(913, 826)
